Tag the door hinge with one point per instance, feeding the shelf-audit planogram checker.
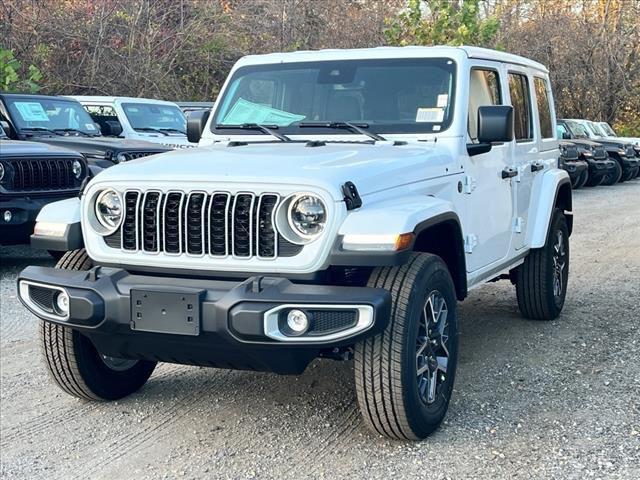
(470, 242)
(468, 184)
(518, 223)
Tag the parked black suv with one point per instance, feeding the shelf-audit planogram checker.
(577, 169)
(602, 169)
(64, 122)
(32, 175)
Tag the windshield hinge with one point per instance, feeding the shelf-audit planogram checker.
(351, 196)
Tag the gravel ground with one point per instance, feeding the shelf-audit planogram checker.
(532, 400)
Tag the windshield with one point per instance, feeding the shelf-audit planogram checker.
(606, 128)
(592, 128)
(385, 95)
(155, 116)
(50, 114)
(576, 129)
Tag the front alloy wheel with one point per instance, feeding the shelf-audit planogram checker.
(432, 354)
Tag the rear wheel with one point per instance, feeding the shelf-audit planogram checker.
(405, 375)
(75, 364)
(613, 176)
(541, 281)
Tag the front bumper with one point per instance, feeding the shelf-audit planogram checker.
(600, 168)
(232, 324)
(23, 213)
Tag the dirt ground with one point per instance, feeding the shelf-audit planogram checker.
(532, 400)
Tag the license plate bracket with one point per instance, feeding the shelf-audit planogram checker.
(166, 311)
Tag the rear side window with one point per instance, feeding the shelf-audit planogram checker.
(484, 89)
(521, 102)
(544, 109)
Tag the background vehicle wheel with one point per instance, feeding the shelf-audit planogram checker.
(637, 172)
(613, 177)
(594, 181)
(541, 281)
(75, 364)
(405, 375)
(631, 174)
(584, 177)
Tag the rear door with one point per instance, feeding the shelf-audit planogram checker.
(525, 149)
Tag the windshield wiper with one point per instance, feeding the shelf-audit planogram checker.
(40, 129)
(72, 130)
(149, 129)
(173, 130)
(266, 129)
(354, 127)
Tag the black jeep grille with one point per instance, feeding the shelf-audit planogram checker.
(599, 153)
(42, 174)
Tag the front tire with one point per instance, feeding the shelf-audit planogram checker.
(584, 178)
(74, 363)
(405, 375)
(613, 177)
(541, 281)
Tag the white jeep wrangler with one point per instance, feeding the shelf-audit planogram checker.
(340, 204)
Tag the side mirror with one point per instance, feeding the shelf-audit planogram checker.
(566, 136)
(495, 123)
(111, 128)
(195, 124)
(5, 127)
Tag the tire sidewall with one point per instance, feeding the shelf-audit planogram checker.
(559, 224)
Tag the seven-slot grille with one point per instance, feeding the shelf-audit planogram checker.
(217, 224)
(599, 152)
(43, 174)
(630, 152)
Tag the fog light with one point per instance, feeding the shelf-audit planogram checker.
(62, 303)
(7, 216)
(297, 321)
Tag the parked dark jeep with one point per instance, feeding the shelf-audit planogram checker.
(602, 169)
(577, 169)
(64, 122)
(621, 151)
(31, 176)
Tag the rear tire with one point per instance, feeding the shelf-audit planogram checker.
(405, 375)
(75, 364)
(613, 177)
(541, 281)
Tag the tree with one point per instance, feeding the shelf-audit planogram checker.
(13, 78)
(442, 22)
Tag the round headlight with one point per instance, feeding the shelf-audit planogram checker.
(121, 157)
(1, 171)
(76, 168)
(307, 216)
(109, 210)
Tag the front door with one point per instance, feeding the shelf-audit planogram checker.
(490, 198)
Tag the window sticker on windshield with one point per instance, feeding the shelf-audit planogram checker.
(430, 115)
(89, 126)
(443, 100)
(31, 112)
(245, 111)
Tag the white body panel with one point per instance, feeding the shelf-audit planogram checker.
(400, 186)
(174, 140)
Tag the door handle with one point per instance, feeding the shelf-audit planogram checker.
(509, 173)
(536, 167)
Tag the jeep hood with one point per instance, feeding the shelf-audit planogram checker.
(101, 145)
(372, 168)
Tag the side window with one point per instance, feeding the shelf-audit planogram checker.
(101, 114)
(484, 89)
(544, 109)
(521, 102)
